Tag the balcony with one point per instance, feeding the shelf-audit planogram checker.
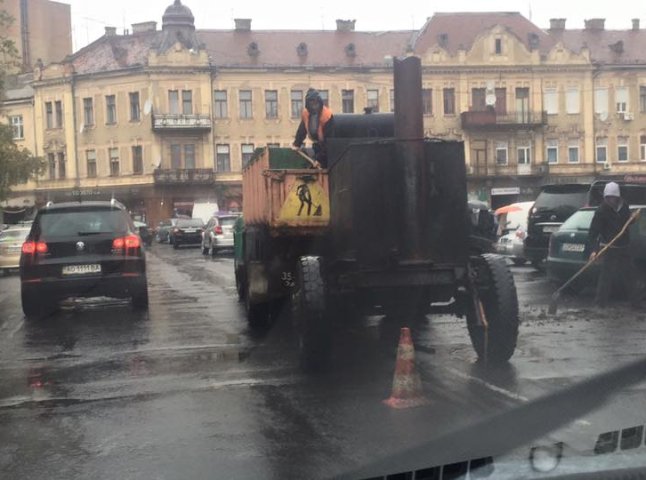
(184, 176)
(490, 120)
(192, 123)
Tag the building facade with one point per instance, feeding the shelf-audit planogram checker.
(161, 119)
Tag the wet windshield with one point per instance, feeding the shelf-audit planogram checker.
(398, 279)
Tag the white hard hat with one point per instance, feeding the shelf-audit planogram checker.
(611, 190)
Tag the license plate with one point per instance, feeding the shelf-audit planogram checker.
(573, 247)
(81, 269)
(550, 229)
(190, 230)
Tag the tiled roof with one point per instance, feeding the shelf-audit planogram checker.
(115, 52)
(599, 42)
(461, 30)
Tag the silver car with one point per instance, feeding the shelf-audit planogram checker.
(11, 241)
(218, 234)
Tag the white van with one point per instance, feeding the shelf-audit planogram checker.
(205, 210)
(512, 228)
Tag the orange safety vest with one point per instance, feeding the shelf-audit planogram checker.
(325, 116)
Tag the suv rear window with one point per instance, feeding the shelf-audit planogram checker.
(190, 222)
(227, 221)
(73, 222)
(552, 198)
(580, 220)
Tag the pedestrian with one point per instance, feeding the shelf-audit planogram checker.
(617, 263)
(317, 123)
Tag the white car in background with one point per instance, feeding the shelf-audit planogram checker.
(512, 230)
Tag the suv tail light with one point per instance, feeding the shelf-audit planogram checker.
(31, 247)
(218, 230)
(175, 230)
(520, 233)
(131, 241)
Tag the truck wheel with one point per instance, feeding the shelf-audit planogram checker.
(497, 292)
(309, 315)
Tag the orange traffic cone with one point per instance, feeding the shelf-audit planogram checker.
(407, 386)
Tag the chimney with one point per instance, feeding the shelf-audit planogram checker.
(144, 27)
(110, 31)
(635, 24)
(557, 24)
(242, 24)
(595, 24)
(345, 25)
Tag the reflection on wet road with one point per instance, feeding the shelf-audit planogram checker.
(187, 391)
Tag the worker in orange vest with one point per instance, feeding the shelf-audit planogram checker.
(317, 123)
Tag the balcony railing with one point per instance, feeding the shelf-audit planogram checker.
(184, 176)
(489, 119)
(181, 122)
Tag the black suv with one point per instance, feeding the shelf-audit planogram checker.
(82, 249)
(552, 207)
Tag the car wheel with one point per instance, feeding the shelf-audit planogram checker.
(140, 297)
(519, 261)
(36, 306)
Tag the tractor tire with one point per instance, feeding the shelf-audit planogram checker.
(497, 292)
(258, 314)
(309, 314)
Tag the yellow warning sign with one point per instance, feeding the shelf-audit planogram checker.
(307, 203)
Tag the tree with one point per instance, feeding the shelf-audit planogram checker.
(17, 165)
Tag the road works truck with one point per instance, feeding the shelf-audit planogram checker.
(383, 230)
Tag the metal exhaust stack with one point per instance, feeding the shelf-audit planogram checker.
(409, 138)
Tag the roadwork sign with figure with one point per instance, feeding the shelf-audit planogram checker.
(306, 203)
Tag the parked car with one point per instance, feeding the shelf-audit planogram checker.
(81, 249)
(570, 247)
(554, 204)
(11, 241)
(512, 226)
(218, 234)
(144, 232)
(187, 231)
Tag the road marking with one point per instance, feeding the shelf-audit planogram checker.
(494, 388)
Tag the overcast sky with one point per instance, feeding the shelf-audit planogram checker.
(89, 17)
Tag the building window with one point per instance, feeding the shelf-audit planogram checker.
(427, 101)
(449, 101)
(273, 145)
(90, 160)
(88, 112)
(135, 112)
(223, 158)
(247, 153)
(501, 153)
(498, 46)
(392, 100)
(246, 110)
(137, 160)
(271, 103)
(49, 115)
(325, 96)
(573, 153)
(373, 100)
(296, 97)
(173, 102)
(552, 152)
(522, 105)
(175, 156)
(110, 109)
(18, 127)
(622, 149)
(221, 107)
(501, 101)
(524, 155)
(601, 101)
(187, 102)
(551, 101)
(189, 156)
(642, 99)
(113, 153)
(478, 99)
(601, 150)
(573, 101)
(62, 171)
(51, 163)
(347, 101)
(621, 99)
(58, 107)
(642, 147)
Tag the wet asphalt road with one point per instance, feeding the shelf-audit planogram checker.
(187, 391)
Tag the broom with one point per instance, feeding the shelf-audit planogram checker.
(557, 295)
